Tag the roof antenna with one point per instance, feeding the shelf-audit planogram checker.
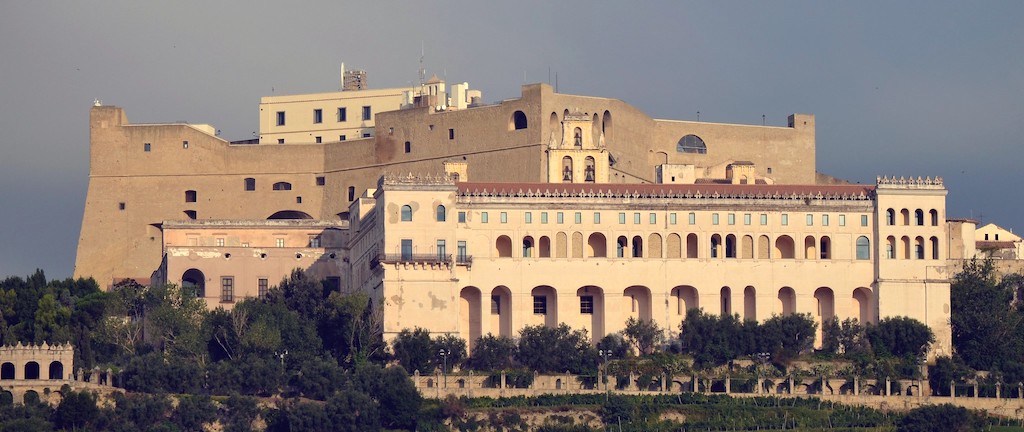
(423, 72)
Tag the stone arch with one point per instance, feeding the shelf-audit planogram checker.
(890, 217)
(730, 246)
(691, 245)
(7, 371)
(553, 119)
(716, 246)
(597, 245)
(747, 247)
(825, 310)
(825, 247)
(674, 246)
(517, 121)
(919, 217)
(501, 311)
(31, 370)
(691, 144)
(561, 245)
(638, 302)
(528, 247)
(281, 186)
(638, 247)
(289, 214)
(589, 169)
(763, 247)
(595, 308)
(890, 247)
(470, 315)
(906, 216)
(31, 397)
(934, 216)
(56, 370)
(544, 247)
(606, 125)
(503, 246)
(863, 304)
(548, 307)
(686, 298)
(725, 301)
(750, 303)
(654, 245)
(934, 247)
(784, 247)
(567, 169)
(919, 248)
(194, 280)
(810, 248)
(406, 213)
(787, 301)
(863, 248)
(577, 137)
(577, 244)
(905, 245)
(621, 244)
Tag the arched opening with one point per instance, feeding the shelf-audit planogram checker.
(282, 186)
(589, 168)
(890, 217)
(577, 244)
(561, 245)
(919, 217)
(31, 398)
(863, 248)
(691, 245)
(56, 370)
(597, 245)
(730, 246)
(553, 119)
(725, 300)
(787, 301)
(31, 370)
(567, 169)
(250, 184)
(825, 310)
(637, 300)
(470, 315)
(686, 298)
(503, 246)
(606, 125)
(6, 398)
(825, 249)
(750, 304)
(654, 245)
(919, 248)
(764, 247)
(638, 247)
(545, 306)
(935, 217)
(716, 245)
(810, 248)
(592, 304)
(441, 214)
(577, 137)
(863, 304)
(674, 246)
(935, 247)
(518, 121)
(747, 248)
(558, 384)
(289, 214)
(691, 144)
(906, 216)
(7, 371)
(890, 247)
(193, 280)
(905, 244)
(527, 247)
(784, 247)
(544, 247)
(501, 308)
(406, 213)
(621, 245)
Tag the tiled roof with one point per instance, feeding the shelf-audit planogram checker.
(989, 244)
(756, 191)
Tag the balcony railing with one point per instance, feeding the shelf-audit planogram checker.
(466, 260)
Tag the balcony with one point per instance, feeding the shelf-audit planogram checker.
(400, 258)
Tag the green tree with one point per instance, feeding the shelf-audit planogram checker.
(193, 412)
(558, 349)
(943, 417)
(900, 337)
(51, 321)
(492, 353)
(353, 411)
(644, 335)
(710, 339)
(454, 348)
(176, 316)
(414, 350)
(786, 337)
(944, 371)
(76, 410)
(985, 327)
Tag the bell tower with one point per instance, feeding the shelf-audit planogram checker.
(577, 156)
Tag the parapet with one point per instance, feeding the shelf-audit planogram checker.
(885, 182)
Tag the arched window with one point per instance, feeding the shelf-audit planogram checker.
(638, 247)
(890, 247)
(577, 137)
(250, 184)
(825, 248)
(919, 217)
(890, 217)
(190, 196)
(906, 216)
(935, 217)
(730, 246)
(691, 144)
(440, 213)
(518, 120)
(504, 247)
(567, 169)
(56, 370)
(280, 186)
(527, 247)
(919, 248)
(406, 213)
(716, 244)
(935, 247)
(620, 247)
(588, 169)
(863, 248)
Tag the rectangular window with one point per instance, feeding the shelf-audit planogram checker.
(146, 147)
(636, 218)
(672, 218)
(578, 217)
(559, 218)
(367, 114)
(528, 217)
(314, 241)
(366, 134)
(544, 217)
(279, 242)
(227, 289)
(653, 218)
(442, 251)
(824, 220)
(461, 245)
(540, 305)
(321, 180)
(280, 140)
(691, 218)
(262, 286)
(810, 220)
(280, 118)
(863, 220)
(462, 217)
(451, 134)
(319, 140)
(495, 305)
(483, 217)
(318, 116)
(597, 217)
(341, 137)
(342, 114)
(732, 219)
(406, 249)
(184, 145)
(764, 219)
(504, 217)
(842, 220)
(785, 219)
(746, 219)
(714, 218)
(220, 241)
(587, 305)
(622, 218)
(351, 193)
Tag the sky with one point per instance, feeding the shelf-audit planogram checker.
(915, 88)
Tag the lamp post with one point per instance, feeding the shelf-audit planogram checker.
(444, 353)
(604, 353)
(762, 359)
(281, 356)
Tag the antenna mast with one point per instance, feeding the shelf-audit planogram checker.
(423, 71)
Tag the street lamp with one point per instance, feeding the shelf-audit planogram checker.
(281, 356)
(444, 353)
(762, 359)
(604, 353)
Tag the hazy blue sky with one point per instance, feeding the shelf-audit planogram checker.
(905, 88)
